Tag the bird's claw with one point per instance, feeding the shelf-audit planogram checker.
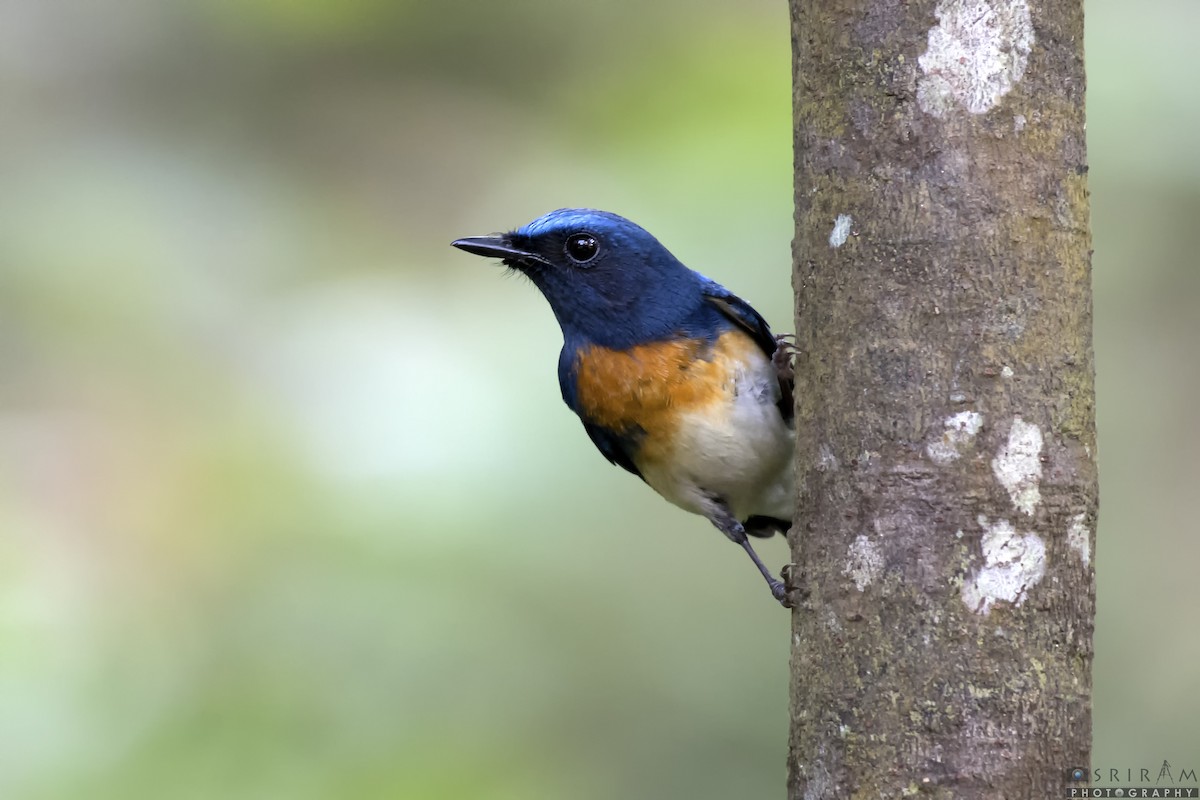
(784, 356)
(793, 581)
(780, 593)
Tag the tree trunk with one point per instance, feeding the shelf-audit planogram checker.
(942, 644)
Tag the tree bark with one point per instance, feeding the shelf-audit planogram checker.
(942, 644)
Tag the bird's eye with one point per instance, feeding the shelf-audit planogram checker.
(582, 247)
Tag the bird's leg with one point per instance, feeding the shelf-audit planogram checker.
(719, 515)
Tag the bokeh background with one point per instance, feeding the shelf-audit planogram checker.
(289, 506)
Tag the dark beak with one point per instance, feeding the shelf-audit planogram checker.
(496, 247)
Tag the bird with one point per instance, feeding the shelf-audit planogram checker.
(675, 378)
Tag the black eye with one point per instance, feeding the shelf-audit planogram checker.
(582, 247)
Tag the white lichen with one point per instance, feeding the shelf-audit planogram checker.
(1018, 465)
(975, 55)
(960, 429)
(841, 230)
(1013, 564)
(1079, 538)
(831, 621)
(826, 460)
(864, 562)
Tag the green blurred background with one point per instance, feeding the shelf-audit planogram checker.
(289, 503)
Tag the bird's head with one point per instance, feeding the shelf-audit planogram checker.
(608, 281)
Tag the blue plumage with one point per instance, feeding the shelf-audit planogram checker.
(675, 378)
(632, 291)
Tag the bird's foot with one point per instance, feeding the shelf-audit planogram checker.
(780, 593)
(784, 356)
(794, 583)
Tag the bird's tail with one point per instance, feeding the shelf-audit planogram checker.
(766, 527)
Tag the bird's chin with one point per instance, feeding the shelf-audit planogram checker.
(525, 266)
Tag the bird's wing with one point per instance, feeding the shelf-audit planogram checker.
(612, 445)
(742, 314)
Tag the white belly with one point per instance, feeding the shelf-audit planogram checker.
(737, 449)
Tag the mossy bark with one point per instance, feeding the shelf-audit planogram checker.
(942, 643)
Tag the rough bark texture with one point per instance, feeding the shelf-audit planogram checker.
(942, 645)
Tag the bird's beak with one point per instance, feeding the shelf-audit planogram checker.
(496, 247)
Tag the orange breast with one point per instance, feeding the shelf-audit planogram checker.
(650, 387)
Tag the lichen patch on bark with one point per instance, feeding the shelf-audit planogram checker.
(1018, 465)
(864, 562)
(960, 430)
(841, 230)
(1079, 538)
(976, 54)
(1013, 564)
